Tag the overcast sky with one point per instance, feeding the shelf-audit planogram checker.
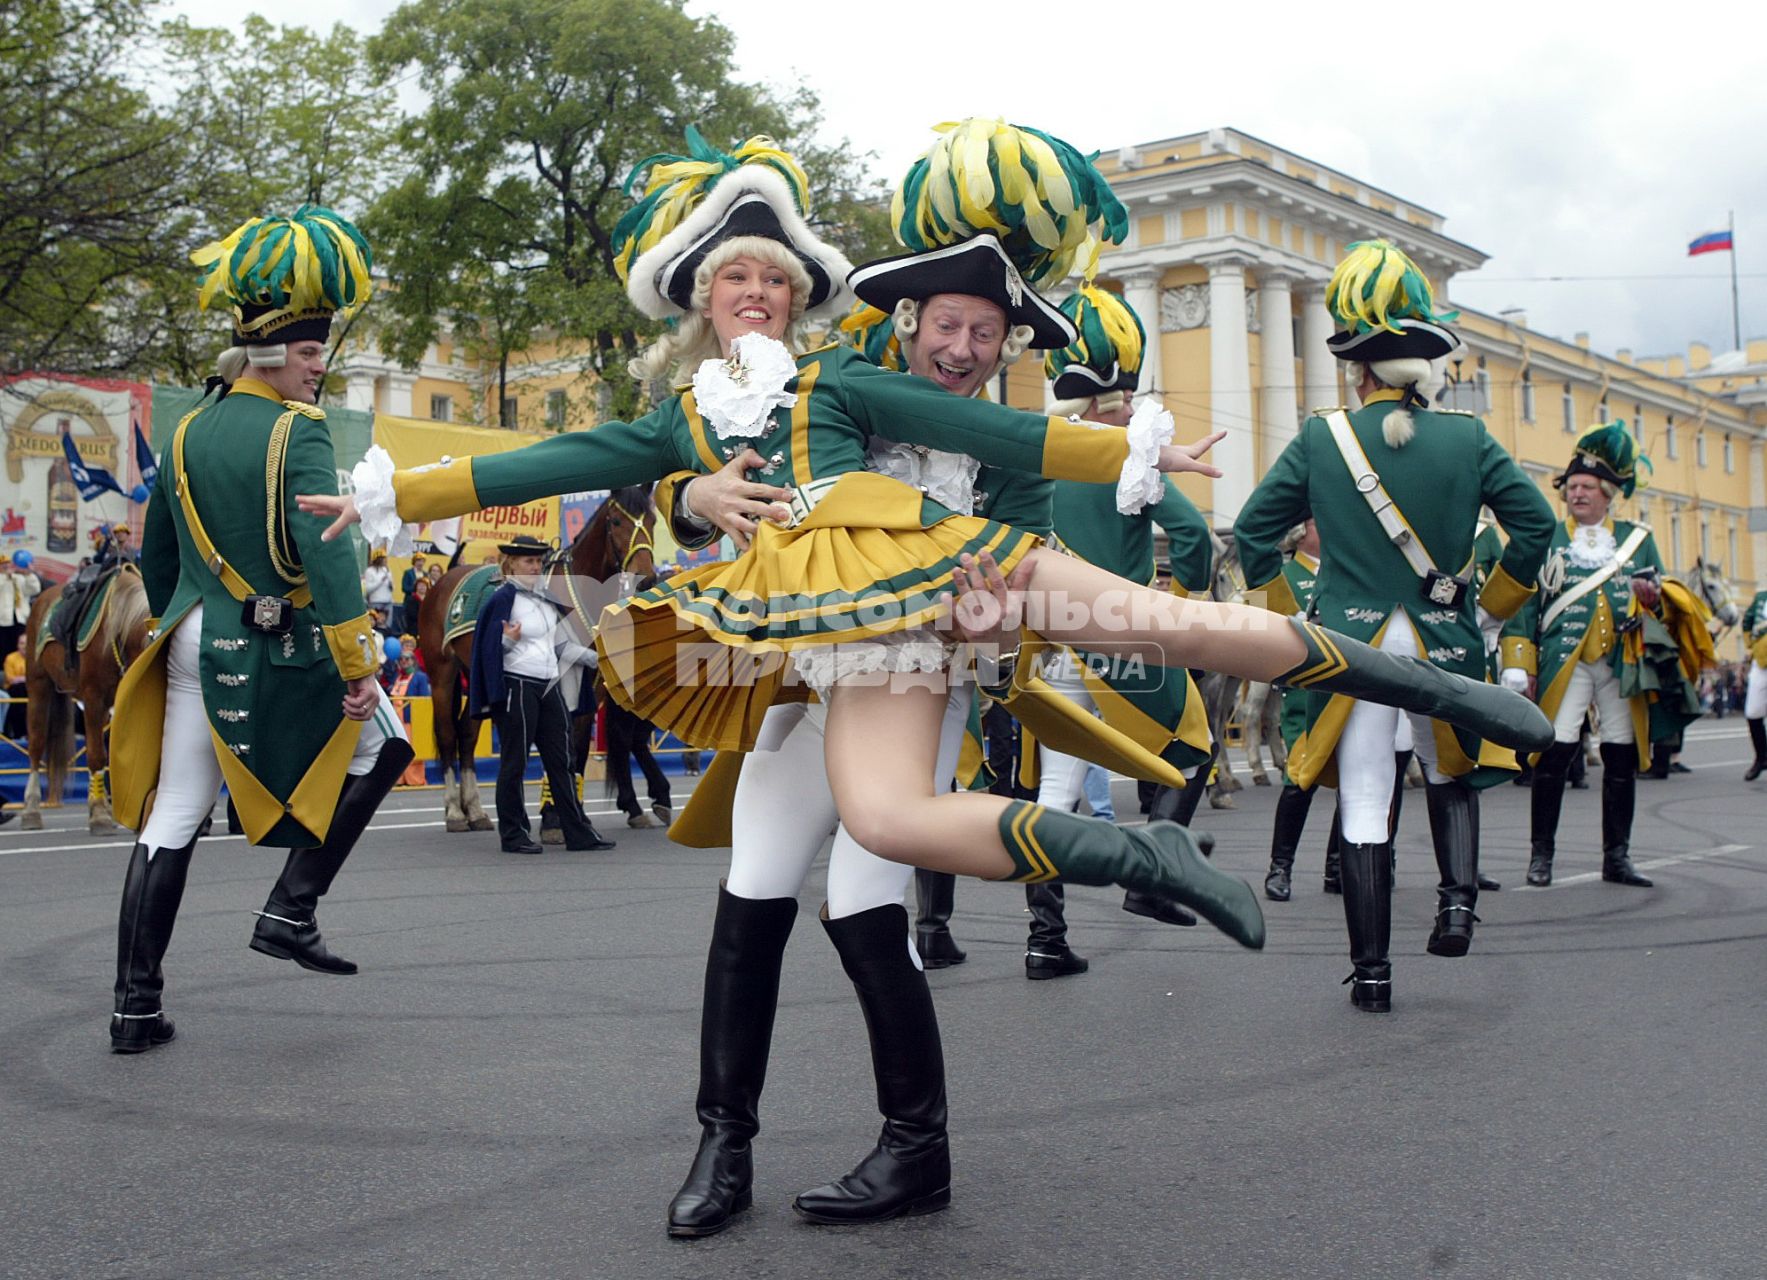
(1559, 139)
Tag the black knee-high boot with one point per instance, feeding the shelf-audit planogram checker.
(1757, 736)
(936, 892)
(909, 1170)
(1292, 807)
(1545, 803)
(735, 1032)
(1454, 829)
(1368, 912)
(288, 926)
(1619, 795)
(1170, 804)
(152, 890)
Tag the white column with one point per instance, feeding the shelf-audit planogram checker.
(1230, 385)
(399, 388)
(359, 391)
(1758, 501)
(1319, 375)
(1141, 290)
(1278, 395)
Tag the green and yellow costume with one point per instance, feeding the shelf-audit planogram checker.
(273, 702)
(1364, 579)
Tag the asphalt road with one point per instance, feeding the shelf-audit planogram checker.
(506, 1090)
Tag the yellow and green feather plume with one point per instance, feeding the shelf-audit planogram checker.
(315, 261)
(1376, 285)
(674, 185)
(1036, 192)
(872, 334)
(1613, 446)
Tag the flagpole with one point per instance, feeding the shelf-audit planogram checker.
(1735, 306)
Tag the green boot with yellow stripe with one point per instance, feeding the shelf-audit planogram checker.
(1337, 664)
(1161, 858)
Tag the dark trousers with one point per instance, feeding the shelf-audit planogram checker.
(533, 714)
(628, 739)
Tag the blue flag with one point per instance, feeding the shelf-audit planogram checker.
(92, 480)
(144, 459)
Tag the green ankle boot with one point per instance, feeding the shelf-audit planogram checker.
(1337, 664)
(1160, 858)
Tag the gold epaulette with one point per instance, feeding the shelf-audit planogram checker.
(1458, 413)
(306, 410)
(816, 351)
(1325, 409)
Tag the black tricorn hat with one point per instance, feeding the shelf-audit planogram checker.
(523, 544)
(978, 267)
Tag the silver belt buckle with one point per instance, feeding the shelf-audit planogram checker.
(804, 498)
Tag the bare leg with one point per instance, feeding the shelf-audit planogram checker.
(1079, 604)
(886, 799)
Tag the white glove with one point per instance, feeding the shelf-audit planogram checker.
(1491, 626)
(1514, 679)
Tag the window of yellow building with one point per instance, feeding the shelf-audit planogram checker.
(555, 409)
(1674, 539)
(511, 414)
(1730, 540)
(1570, 410)
(1671, 444)
(441, 408)
(1730, 468)
(1638, 423)
(1699, 451)
(1527, 395)
(1705, 540)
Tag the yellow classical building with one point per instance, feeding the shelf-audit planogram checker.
(1231, 243)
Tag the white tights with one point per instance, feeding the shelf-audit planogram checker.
(190, 774)
(1754, 704)
(784, 810)
(1365, 751)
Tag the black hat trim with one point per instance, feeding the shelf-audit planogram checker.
(751, 214)
(524, 544)
(1584, 464)
(1082, 382)
(980, 268)
(1416, 339)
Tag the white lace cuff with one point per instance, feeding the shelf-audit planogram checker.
(1141, 483)
(372, 479)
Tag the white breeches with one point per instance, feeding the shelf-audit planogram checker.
(1754, 703)
(784, 810)
(1372, 734)
(190, 773)
(1060, 778)
(1593, 682)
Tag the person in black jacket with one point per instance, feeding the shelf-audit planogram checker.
(520, 641)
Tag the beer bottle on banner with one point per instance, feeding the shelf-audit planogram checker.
(64, 501)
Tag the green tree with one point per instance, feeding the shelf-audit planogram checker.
(537, 113)
(95, 185)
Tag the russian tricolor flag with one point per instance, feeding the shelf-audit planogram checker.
(1711, 242)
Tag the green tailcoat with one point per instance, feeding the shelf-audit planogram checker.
(274, 702)
(1438, 480)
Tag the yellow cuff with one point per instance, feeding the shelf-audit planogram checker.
(1519, 652)
(1503, 595)
(1278, 597)
(435, 493)
(354, 647)
(1074, 451)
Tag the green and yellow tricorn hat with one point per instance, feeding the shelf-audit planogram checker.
(1608, 452)
(284, 278)
(1384, 307)
(694, 202)
(1108, 348)
(993, 210)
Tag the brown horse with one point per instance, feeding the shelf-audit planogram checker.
(615, 549)
(54, 679)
